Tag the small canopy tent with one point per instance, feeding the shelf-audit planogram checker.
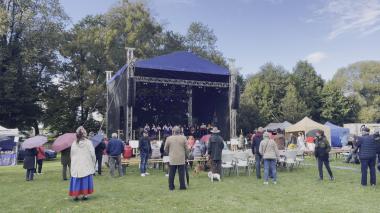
(8, 146)
(339, 135)
(306, 124)
(274, 126)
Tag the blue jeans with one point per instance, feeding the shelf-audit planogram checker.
(144, 162)
(258, 165)
(270, 168)
(365, 163)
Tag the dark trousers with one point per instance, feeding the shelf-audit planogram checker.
(325, 161)
(216, 166)
(258, 165)
(144, 162)
(181, 174)
(29, 174)
(99, 161)
(39, 165)
(372, 171)
(64, 170)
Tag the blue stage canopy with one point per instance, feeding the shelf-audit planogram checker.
(182, 61)
(339, 135)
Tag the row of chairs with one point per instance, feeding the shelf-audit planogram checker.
(236, 161)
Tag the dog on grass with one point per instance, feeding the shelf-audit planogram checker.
(198, 169)
(214, 176)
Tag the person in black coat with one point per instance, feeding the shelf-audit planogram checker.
(321, 152)
(215, 148)
(145, 151)
(367, 155)
(255, 145)
(30, 162)
(99, 155)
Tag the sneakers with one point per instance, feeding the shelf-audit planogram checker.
(265, 183)
(275, 182)
(146, 173)
(143, 175)
(166, 175)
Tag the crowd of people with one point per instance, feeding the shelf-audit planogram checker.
(84, 160)
(156, 131)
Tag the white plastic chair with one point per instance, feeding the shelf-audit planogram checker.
(300, 157)
(227, 162)
(290, 159)
(242, 162)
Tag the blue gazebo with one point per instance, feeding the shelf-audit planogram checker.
(339, 135)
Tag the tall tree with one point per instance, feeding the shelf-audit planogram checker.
(201, 39)
(264, 92)
(292, 106)
(309, 85)
(336, 107)
(361, 80)
(29, 41)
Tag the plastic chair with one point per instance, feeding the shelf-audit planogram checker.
(242, 162)
(227, 162)
(290, 159)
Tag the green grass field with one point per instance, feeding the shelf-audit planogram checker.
(296, 191)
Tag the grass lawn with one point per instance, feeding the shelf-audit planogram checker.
(296, 191)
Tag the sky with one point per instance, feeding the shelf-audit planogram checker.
(330, 34)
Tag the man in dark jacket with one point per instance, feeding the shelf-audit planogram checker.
(114, 149)
(376, 138)
(65, 161)
(215, 148)
(367, 155)
(145, 150)
(321, 152)
(256, 140)
(99, 155)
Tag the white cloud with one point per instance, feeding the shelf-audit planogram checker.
(358, 16)
(316, 57)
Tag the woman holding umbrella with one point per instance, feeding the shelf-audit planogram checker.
(82, 166)
(30, 162)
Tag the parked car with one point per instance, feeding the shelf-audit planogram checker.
(50, 154)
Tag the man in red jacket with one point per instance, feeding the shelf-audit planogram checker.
(40, 158)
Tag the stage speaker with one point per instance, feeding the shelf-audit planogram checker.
(131, 98)
(236, 101)
(121, 118)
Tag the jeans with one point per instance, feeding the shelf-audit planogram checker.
(325, 161)
(39, 165)
(270, 168)
(181, 173)
(64, 170)
(258, 165)
(365, 163)
(144, 162)
(99, 161)
(29, 174)
(115, 163)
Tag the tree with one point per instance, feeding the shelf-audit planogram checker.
(309, 85)
(361, 81)
(263, 92)
(30, 36)
(292, 106)
(201, 40)
(336, 107)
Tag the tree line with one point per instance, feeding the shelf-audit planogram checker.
(54, 73)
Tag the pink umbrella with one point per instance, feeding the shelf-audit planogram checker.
(205, 138)
(64, 141)
(34, 142)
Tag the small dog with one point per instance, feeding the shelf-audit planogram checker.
(198, 169)
(214, 176)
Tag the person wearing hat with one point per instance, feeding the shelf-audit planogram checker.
(322, 149)
(215, 148)
(176, 147)
(269, 150)
(367, 155)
